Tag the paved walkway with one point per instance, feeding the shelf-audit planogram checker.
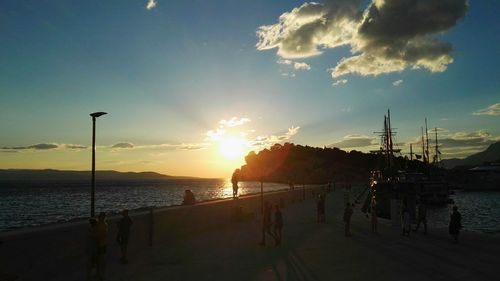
(312, 251)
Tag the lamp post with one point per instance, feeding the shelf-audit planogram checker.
(92, 191)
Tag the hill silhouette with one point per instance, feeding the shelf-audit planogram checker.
(26, 175)
(491, 154)
(305, 164)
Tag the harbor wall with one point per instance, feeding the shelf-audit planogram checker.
(46, 249)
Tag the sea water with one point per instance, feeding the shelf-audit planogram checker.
(24, 205)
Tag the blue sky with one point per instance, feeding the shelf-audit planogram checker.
(170, 74)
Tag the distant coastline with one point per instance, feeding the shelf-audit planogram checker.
(51, 175)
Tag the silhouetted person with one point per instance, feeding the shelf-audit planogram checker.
(422, 216)
(189, 198)
(406, 221)
(320, 208)
(123, 235)
(347, 219)
(91, 247)
(102, 237)
(374, 219)
(455, 223)
(278, 225)
(234, 181)
(290, 184)
(266, 223)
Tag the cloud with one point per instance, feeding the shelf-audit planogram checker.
(226, 130)
(40, 146)
(296, 65)
(267, 141)
(163, 146)
(286, 74)
(352, 141)
(151, 4)
(492, 110)
(459, 144)
(387, 36)
(75, 146)
(286, 62)
(340, 82)
(301, 66)
(235, 121)
(123, 145)
(397, 83)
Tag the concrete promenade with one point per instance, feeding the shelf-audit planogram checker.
(309, 251)
(312, 251)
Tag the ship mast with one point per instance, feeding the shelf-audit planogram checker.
(423, 146)
(427, 141)
(411, 152)
(436, 160)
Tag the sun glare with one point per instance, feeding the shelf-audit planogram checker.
(232, 148)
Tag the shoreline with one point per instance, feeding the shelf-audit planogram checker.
(112, 215)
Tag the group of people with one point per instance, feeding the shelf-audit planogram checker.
(273, 228)
(455, 224)
(97, 237)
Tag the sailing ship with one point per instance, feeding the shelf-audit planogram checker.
(393, 188)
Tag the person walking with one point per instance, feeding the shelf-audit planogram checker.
(320, 208)
(91, 247)
(422, 216)
(234, 181)
(266, 223)
(455, 224)
(102, 237)
(374, 220)
(347, 219)
(123, 235)
(278, 225)
(406, 221)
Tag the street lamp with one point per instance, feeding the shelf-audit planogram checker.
(92, 191)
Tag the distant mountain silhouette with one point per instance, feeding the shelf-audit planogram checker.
(78, 176)
(491, 154)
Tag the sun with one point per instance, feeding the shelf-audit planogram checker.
(232, 147)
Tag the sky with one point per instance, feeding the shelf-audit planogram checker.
(190, 87)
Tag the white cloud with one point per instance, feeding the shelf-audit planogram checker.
(339, 82)
(151, 4)
(233, 122)
(301, 66)
(296, 65)
(397, 83)
(381, 40)
(267, 141)
(492, 110)
(282, 61)
(227, 129)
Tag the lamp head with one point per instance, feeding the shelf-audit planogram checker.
(97, 114)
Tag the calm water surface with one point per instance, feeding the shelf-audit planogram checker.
(480, 211)
(29, 205)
